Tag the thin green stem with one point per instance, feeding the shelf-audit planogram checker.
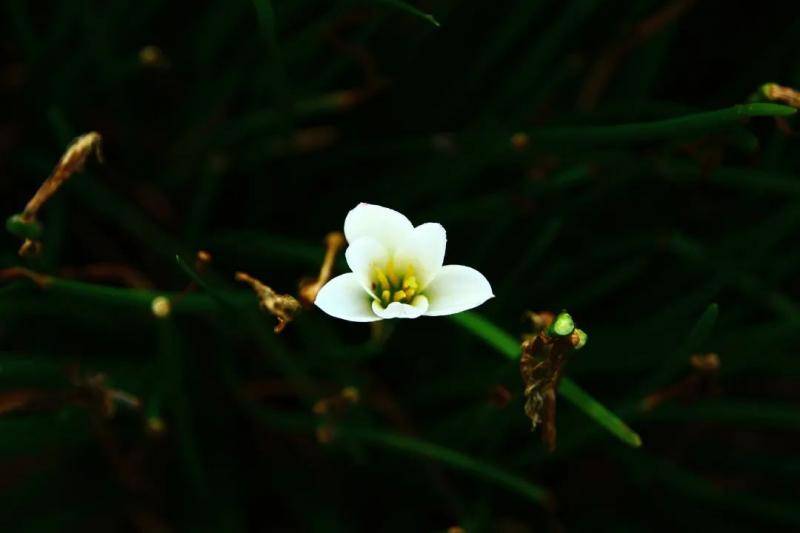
(661, 129)
(412, 446)
(411, 10)
(455, 459)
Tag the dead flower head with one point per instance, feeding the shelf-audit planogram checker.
(544, 354)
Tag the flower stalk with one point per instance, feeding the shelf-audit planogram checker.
(334, 243)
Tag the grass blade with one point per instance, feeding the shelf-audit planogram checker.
(672, 128)
(454, 459)
(411, 10)
(740, 413)
(508, 346)
(598, 412)
(702, 329)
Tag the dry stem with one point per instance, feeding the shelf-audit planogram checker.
(72, 161)
(19, 272)
(334, 242)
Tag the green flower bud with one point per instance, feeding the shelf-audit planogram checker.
(582, 338)
(562, 325)
(24, 229)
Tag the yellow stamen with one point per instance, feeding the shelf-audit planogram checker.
(382, 279)
(391, 287)
(410, 282)
(390, 272)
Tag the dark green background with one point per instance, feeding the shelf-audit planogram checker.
(636, 232)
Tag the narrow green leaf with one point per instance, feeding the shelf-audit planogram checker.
(172, 375)
(672, 128)
(597, 411)
(411, 10)
(690, 485)
(190, 272)
(508, 346)
(741, 413)
(702, 329)
(491, 334)
(140, 299)
(674, 364)
(278, 78)
(403, 443)
(454, 459)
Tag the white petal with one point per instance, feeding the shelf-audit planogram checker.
(398, 310)
(425, 251)
(457, 288)
(363, 255)
(345, 298)
(385, 225)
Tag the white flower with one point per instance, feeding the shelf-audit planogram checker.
(397, 271)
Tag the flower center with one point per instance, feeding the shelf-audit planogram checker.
(391, 287)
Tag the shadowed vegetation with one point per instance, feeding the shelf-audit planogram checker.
(634, 163)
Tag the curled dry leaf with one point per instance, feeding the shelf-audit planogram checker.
(284, 307)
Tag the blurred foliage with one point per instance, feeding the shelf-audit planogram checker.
(613, 159)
